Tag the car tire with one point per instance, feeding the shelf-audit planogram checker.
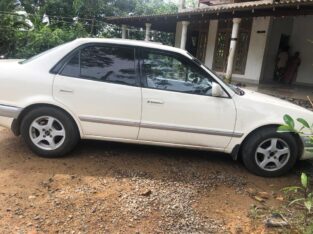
(49, 132)
(269, 153)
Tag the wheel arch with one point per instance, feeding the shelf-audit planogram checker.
(16, 124)
(237, 152)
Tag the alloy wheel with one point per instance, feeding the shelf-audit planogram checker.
(272, 154)
(47, 133)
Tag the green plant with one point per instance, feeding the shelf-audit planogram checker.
(290, 124)
(304, 196)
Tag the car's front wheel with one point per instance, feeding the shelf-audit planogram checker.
(269, 153)
(49, 132)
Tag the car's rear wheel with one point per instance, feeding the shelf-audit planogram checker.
(269, 153)
(49, 132)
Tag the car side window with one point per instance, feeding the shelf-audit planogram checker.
(170, 72)
(72, 67)
(103, 63)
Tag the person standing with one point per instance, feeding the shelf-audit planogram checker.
(292, 68)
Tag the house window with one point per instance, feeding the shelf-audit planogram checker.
(223, 42)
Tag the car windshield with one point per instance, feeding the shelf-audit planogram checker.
(234, 88)
(41, 54)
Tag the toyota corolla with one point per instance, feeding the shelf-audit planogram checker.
(145, 93)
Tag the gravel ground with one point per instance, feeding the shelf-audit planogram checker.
(117, 188)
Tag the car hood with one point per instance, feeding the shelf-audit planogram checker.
(271, 101)
(255, 110)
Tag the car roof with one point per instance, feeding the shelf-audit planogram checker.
(147, 44)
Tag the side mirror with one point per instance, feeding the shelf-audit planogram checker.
(217, 90)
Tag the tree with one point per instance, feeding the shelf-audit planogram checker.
(69, 19)
(8, 26)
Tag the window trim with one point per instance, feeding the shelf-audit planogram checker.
(59, 67)
(143, 80)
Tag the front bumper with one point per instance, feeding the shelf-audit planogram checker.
(308, 147)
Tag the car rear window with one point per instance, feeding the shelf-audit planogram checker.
(103, 63)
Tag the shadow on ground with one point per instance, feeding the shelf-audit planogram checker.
(98, 158)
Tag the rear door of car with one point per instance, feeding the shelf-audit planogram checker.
(100, 84)
(177, 105)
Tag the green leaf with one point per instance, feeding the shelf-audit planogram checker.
(289, 121)
(308, 204)
(284, 128)
(304, 180)
(303, 122)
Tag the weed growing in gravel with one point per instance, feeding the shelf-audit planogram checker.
(302, 197)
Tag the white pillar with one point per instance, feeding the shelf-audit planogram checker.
(123, 31)
(178, 34)
(232, 48)
(148, 28)
(181, 5)
(184, 34)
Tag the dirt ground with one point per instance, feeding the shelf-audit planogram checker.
(117, 188)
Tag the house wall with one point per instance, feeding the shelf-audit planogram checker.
(301, 34)
(277, 28)
(255, 54)
(264, 45)
(256, 49)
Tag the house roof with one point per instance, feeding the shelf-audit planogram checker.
(167, 22)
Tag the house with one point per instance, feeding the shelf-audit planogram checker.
(238, 38)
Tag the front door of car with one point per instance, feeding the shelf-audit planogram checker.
(178, 107)
(99, 84)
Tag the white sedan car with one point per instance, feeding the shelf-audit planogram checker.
(146, 93)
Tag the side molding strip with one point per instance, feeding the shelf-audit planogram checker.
(191, 130)
(87, 118)
(158, 126)
(10, 111)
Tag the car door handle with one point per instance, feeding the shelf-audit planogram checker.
(155, 102)
(66, 91)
